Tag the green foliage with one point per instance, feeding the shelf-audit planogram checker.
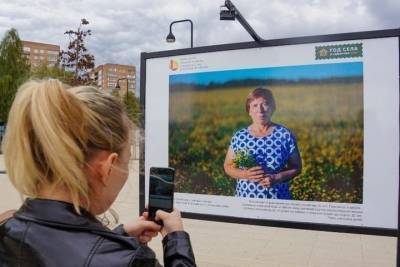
(115, 93)
(243, 159)
(12, 60)
(327, 120)
(44, 71)
(7, 94)
(132, 106)
(14, 70)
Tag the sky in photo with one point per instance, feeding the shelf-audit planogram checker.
(316, 71)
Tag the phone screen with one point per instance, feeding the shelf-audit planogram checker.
(161, 190)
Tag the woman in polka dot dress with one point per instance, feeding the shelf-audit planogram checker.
(272, 146)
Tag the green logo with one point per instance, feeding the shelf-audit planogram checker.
(338, 51)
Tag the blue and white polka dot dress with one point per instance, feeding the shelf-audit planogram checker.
(272, 153)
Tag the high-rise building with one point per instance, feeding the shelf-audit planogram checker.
(106, 77)
(40, 53)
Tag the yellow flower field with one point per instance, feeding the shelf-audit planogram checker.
(326, 118)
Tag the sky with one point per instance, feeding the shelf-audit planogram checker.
(122, 29)
(316, 71)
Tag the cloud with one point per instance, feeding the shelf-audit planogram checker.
(123, 29)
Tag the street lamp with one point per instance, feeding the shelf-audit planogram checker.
(171, 38)
(127, 86)
(229, 12)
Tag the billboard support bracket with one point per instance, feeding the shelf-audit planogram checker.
(231, 13)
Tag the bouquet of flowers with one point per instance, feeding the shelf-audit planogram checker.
(243, 159)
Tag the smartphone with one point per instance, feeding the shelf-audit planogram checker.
(161, 190)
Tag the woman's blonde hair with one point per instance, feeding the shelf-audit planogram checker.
(53, 131)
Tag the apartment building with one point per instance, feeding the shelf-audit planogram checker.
(106, 77)
(41, 53)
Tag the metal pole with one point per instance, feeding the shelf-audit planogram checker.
(127, 88)
(191, 28)
(398, 201)
(243, 21)
(191, 33)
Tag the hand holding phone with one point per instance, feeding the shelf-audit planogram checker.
(161, 190)
(172, 222)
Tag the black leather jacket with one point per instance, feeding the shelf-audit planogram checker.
(51, 233)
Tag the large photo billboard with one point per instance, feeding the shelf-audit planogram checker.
(301, 133)
(317, 113)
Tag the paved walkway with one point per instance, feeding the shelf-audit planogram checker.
(227, 245)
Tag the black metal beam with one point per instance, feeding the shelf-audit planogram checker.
(243, 21)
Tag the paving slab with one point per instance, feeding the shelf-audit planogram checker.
(232, 245)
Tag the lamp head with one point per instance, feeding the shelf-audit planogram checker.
(226, 13)
(117, 87)
(170, 38)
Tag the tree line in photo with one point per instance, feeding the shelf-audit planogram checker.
(183, 86)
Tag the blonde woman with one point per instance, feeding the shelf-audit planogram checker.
(68, 150)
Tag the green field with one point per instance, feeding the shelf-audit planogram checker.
(327, 120)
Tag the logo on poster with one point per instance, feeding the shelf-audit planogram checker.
(173, 65)
(323, 53)
(338, 51)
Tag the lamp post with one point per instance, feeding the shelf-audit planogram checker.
(127, 86)
(133, 132)
(171, 38)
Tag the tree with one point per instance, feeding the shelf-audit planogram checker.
(132, 106)
(77, 58)
(115, 93)
(14, 70)
(44, 71)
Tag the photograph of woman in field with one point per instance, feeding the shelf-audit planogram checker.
(264, 156)
(299, 136)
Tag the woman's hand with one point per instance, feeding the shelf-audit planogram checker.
(142, 228)
(293, 169)
(268, 180)
(253, 173)
(172, 222)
